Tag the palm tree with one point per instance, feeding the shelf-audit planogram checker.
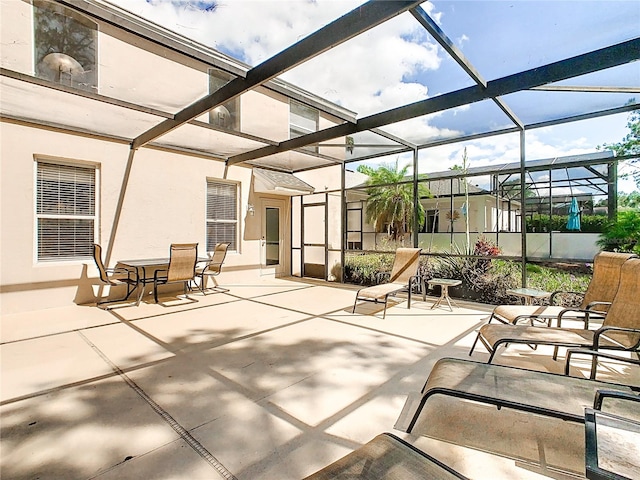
(390, 201)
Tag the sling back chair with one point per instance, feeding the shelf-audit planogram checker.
(620, 329)
(403, 278)
(596, 300)
(114, 276)
(542, 393)
(386, 457)
(182, 267)
(212, 267)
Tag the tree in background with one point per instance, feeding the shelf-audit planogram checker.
(630, 144)
(390, 202)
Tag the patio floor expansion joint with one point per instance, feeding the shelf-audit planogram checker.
(179, 429)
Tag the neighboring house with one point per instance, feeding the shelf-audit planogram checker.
(446, 210)
(76, 89)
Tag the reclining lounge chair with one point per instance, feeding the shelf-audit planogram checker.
(549, 394)
(620, 329)
(386, 457)
(402, 279)
(595, 302)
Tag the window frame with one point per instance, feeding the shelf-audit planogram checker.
(95, 217)
(89, 80)
(234, 247)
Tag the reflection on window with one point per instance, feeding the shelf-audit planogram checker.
(226, 115)
(65, 211)
(222, 214)
(303, 120)
(64, 46)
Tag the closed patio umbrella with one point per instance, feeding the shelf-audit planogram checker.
(573, 223)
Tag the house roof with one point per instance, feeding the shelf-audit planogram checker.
(282, 183)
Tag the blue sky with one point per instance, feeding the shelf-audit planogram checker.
(398, 63)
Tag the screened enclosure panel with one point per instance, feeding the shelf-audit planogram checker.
(314, 226)
(334, 266)
(292, 161)
(334, 222)
(296, 222)
(536, 106)
(208, 140)
(29, 101)
(577, 27)
(296, 263)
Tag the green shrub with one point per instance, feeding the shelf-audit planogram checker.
(363, 269)
(484, 280)
(558, 223)
(622, 234)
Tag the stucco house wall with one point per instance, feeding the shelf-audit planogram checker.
(164, 199)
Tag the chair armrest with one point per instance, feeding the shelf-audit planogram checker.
(603, 330)
(595, 304)
(156, 272)
(602, 394)
(587, 314)
(560, 292)
(123, 270)
(594, 353)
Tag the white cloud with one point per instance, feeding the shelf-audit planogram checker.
(373, 72)
(462, 39)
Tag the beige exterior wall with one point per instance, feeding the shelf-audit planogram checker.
(159, 78)
(165, 197)
(16, 55)
(164, 203)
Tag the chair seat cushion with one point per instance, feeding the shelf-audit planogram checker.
(381, 291)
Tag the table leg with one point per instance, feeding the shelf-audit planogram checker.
(444, 295)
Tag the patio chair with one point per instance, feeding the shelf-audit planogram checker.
(114, 276)
(212, 267)
(403, 278)
(182, 267)
(620, 329)
(542, 393)
(595, 302)
(386, 457)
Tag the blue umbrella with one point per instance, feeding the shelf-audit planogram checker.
(573, 223)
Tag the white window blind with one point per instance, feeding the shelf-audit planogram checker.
(222, 214)
(65, 211)
(303, 120)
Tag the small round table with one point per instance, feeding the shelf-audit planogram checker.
(444, 283)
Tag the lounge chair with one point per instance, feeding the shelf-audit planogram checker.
(386, 457)
(403, 278)
(595, 302)
(114, 276)
(620, 329)
(182, 267)
(212, 267)
(549, 394)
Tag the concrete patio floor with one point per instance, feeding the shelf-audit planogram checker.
(272, 380)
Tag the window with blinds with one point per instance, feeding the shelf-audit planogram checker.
(302, 121)
(65, 211)
(222, 214)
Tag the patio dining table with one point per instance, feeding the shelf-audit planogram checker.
(144, 266)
